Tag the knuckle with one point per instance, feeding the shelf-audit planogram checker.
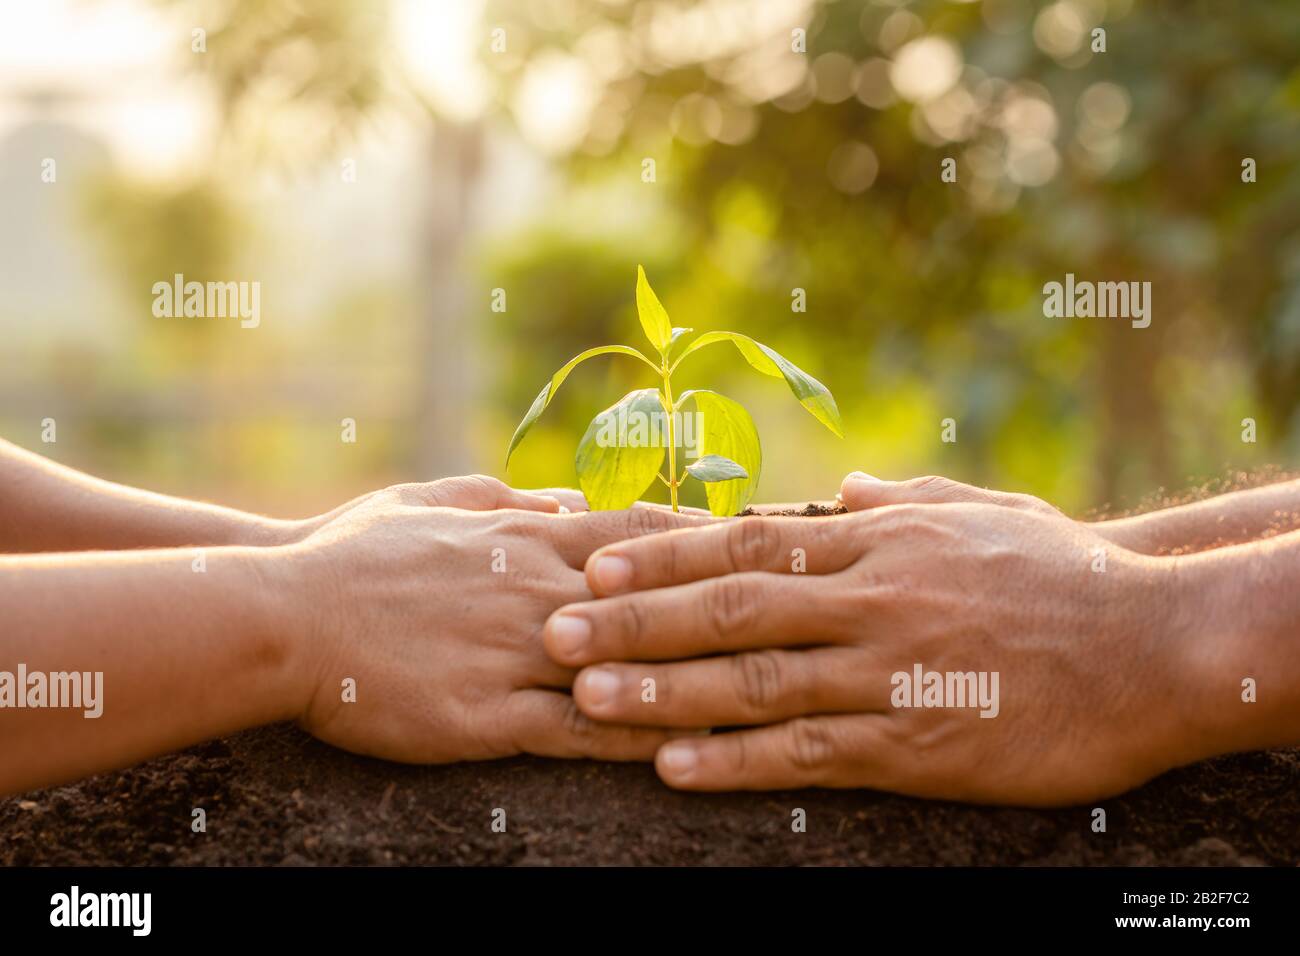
(811, 746)
(449, 492)
(757, 680)
(578, 725)
(902, 518)
(917, 520)
(632, 625)
(753, 543)
(392, 495)
(1029, 503)
(931, 485)
(485, 483)
(666, 560)
(454, 488)
(413, 493)
(643, 521)
(738, 753)
(727, 607)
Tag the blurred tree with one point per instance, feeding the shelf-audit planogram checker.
(802, 145)
(814, 161)
(295, 84)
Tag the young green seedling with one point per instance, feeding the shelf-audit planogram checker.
(623, 450)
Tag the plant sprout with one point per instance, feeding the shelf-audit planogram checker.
(615, 472)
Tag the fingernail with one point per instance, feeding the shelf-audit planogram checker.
(563, 510)
(570, 634)
(612, 572)
(600, 687)
(863, 476)
(678, 760)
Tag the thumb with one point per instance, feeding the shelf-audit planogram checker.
(481, 493)
(571, 498)
(861, 491)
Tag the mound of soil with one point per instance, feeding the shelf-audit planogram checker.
(277, 796)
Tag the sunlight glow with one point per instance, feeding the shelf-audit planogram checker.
(440, 43)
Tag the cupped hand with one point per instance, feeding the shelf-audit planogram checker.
(861, 491)
(1152, 533)
(471, 492)
(716, 626)
(423, 608)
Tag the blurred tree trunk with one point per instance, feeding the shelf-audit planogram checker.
(448, 341)
(1135, 454)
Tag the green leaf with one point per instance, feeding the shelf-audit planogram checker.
(622, 451)
(653, 317)
(715, 468)
(728, 432)
(549, 389)
(812, 394)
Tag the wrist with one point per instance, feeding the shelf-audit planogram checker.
(1238, 627)
(1136, 534)
(290, 608)
(260, 532)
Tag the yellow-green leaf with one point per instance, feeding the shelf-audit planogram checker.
(549, 389)
(812, 394)
(622, 451)
(725, 430)
(654, 319)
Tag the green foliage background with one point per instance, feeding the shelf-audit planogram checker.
(924, 298)
(923, 306)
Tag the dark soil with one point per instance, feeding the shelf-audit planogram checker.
(807, 511)
(277, 796)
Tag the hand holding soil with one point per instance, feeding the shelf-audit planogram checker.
(412, 624)
(404, 624)
(1112, 666)
(431, 603)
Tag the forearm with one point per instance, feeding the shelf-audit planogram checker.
(48, 507)
(1243, 658)
(1215, 522)
(185, 655)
